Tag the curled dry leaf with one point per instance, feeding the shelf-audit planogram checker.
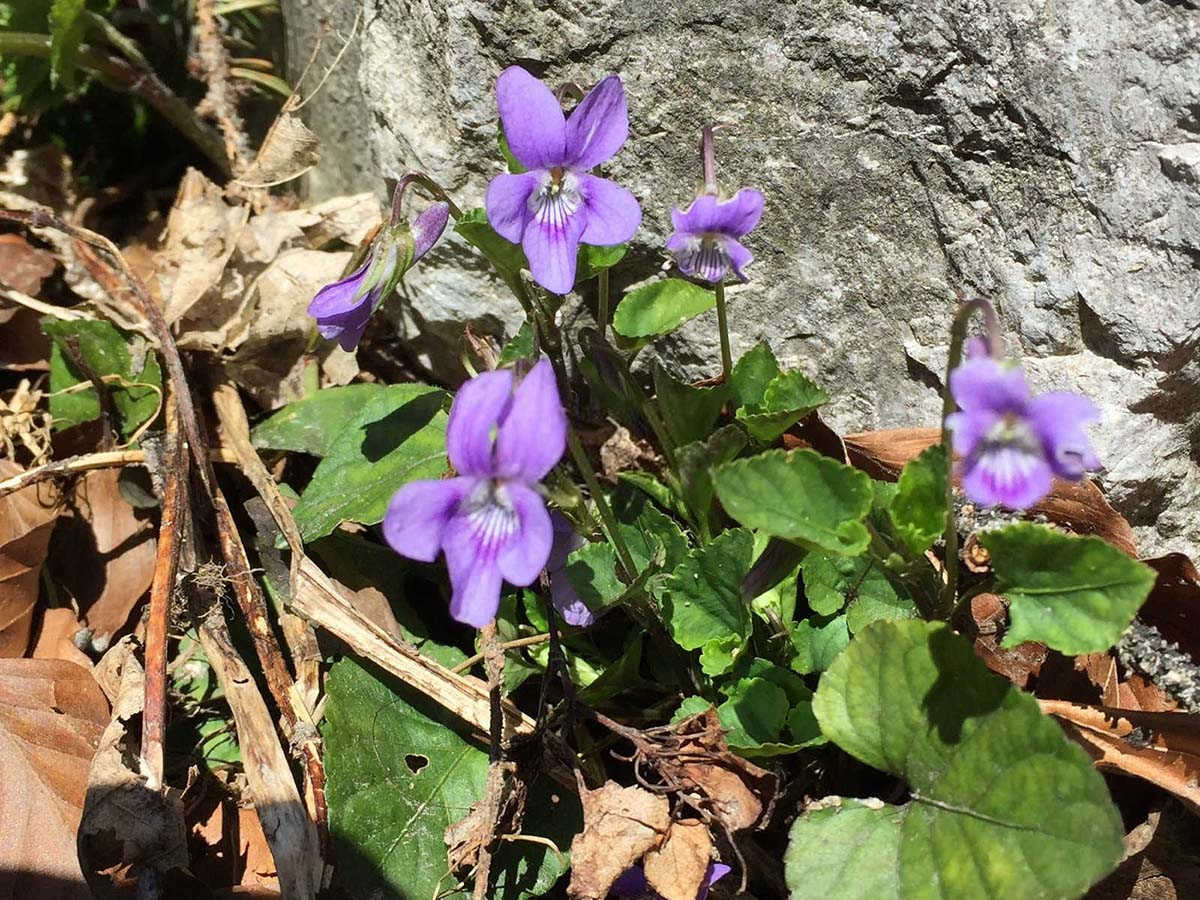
(125, 822)
(619, 825)
(679, 868)
(27, 518)
(231, 851)
(288, 151)
(1162, 748)
(103, 554)
(1079, 507)
(738, 793)
(56, 637)
(1173, 606)
(51, 716)
(989, 615)
(1160, 860)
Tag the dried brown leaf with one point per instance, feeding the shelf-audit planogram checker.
(1174, 601)
(126, 822)
(288, 151)
(27, 518)
(56, 637)
(23, 266)
(24, 347)
(104, 554)
(679, 868)
(619, 825)
(51, 716)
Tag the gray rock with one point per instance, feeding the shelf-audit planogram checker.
(1046, 156)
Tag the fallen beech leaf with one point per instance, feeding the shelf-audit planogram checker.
(125, 822)
(1161, 748)
(23, 266)
(288, 151)
(1173, 606)
(104, 554)
(231, 851)
(989, 613)
(619, 825)
(1078, 506)
(51, 717)
(24, 347)
(26, 521)
(811, 431)
(1160, 861)
(679, 868)
(56, 637)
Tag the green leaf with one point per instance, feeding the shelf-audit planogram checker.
(1074, 594)
(919, 508)
(105, 351)
(398, 774)
(1003, 804)
(618, 677)
(649, 533)
(67, 25)
(653, 488)
(718, 655)
(592, 571)
(519, 347)
(830, 582)
(754, 714)
(592, 260)
(689, 412)
(703, 598)
(802, 496)
(507, 258)
(399, 435)
(313, 424)
(660, 307)
(697, 458)
(791, 683)
(787, 399)
(817, 642)
(689, 707)
(779, 597)
(752, 373)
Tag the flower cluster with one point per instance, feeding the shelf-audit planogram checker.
(1010, 441)
(490, 520)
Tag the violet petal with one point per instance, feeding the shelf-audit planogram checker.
(1058, 418)
(478, 406)
(418, 513)
(984, 383)
(472, 542)
(428, 227)
(613, 214)
(568, 602)
(507, 203)
(739, 256)
(341, 297)
(737, 216)
(533, 433)
(550, 247)
(1007, 476)
(598, 126)
(522, 559)
(533, 120)
(969, 428)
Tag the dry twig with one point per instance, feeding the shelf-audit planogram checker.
(107, 459)
(221, 100)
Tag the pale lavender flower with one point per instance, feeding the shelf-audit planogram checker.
(705, 243)
(556, 205)
(1011, 442)
(562, 593)
(633, 883)
(490, 521)
(343, 308)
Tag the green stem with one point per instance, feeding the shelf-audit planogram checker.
(607, 519)
(142, 82)
(723, 328)
(958, 334)
(602, 302)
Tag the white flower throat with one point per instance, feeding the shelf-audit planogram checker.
(557, 197)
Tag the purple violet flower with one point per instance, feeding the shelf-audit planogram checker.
(343, 308)
(562, 593)
(1011, 442)
(556, 205)
(633, 883)
(705, 243)
(489, 521)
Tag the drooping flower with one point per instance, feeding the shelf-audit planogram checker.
(706, 241)
(633, 883)
(343, 308)
(489, 521)
(1011, 442)
(556, 205)
(562, 593)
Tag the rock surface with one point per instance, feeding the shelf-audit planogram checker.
(1046, 156)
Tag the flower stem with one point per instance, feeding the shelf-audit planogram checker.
(430, 185)
(723, 328)
(958, 334)
(607, 519)
(602, 302)
(708, 160)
